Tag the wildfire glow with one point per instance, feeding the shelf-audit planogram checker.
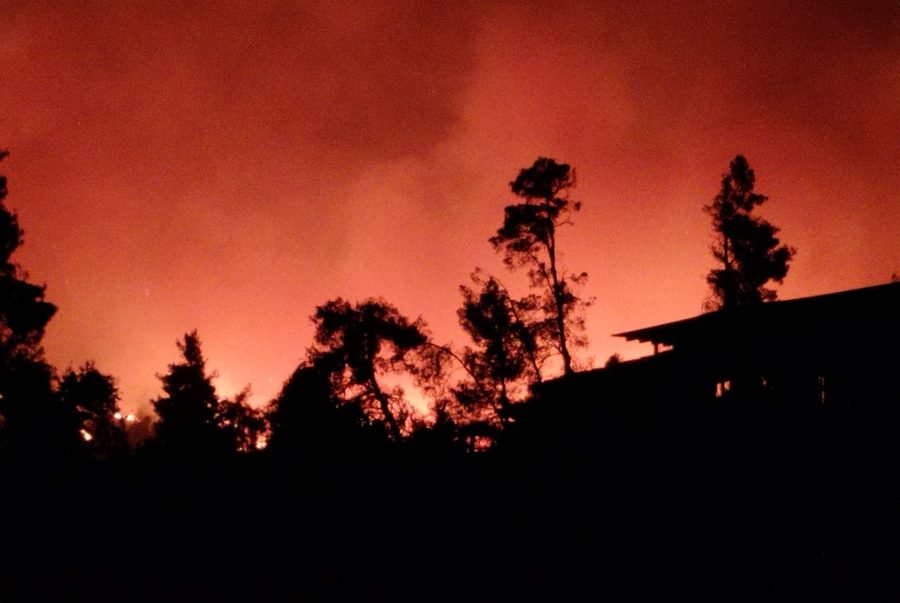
(408, 187)
(86, 435)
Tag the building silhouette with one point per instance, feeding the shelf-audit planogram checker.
(838, 349)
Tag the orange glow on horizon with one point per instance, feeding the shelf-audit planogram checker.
(166, 179)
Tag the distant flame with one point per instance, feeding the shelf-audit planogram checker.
(129, 418)
(86, 435)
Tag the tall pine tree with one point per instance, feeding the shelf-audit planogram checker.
(746, 248)
(528, 239)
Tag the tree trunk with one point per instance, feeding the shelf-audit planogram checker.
(504, 404)
(558, 302)
(385, 405)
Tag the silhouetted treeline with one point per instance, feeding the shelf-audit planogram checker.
(514, 486)
(369, 358)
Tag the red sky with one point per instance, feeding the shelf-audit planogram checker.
(227, 166)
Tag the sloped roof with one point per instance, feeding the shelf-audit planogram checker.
(861, 308)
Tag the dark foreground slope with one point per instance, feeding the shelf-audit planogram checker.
(635, 500)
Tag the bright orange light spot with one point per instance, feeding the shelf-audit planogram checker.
(130, 418)
(117, 416)
(483, 443)
(722, 387)
(86, 435)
